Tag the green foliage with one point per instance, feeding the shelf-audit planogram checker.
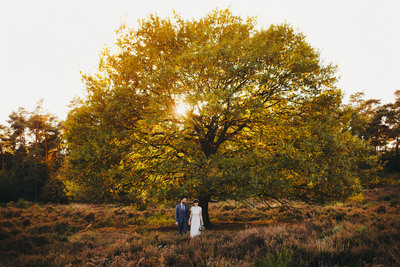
(362, 232)
(107, 222)
(21, 204)
(395, 202)
(282, 259)
(337, 229)
(54, 191)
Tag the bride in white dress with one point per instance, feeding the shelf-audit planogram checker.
(196, 219)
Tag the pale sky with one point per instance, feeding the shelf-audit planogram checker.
(44, 44)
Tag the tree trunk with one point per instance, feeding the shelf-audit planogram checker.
(204, 200)
(36, 144)
(46, 152)
(2, 158)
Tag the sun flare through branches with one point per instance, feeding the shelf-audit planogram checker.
(181, 109)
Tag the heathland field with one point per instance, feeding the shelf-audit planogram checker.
(364, 231)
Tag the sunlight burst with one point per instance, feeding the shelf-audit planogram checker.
(181, 109)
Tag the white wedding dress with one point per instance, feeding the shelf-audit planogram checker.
(195, 223)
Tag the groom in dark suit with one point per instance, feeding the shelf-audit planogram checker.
(182, 216)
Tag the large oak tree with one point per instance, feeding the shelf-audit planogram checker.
(262, 116)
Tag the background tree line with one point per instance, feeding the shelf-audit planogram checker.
(379, 125)
(31, 155)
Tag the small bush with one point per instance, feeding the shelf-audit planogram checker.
(54, 191)
(381, 209)
(395, 202)
(386, 197)
(337, 229)
(62, 228)
(107, 222)
(363, 232)
(89, 217)
(358, 198)
(26, 222)
(21, 204)
(282, 258)
(227, 207)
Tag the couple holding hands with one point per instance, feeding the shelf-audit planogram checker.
(192, 218)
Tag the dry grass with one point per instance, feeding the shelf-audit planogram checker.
(363, 233)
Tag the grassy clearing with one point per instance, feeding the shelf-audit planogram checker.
(361, 232)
